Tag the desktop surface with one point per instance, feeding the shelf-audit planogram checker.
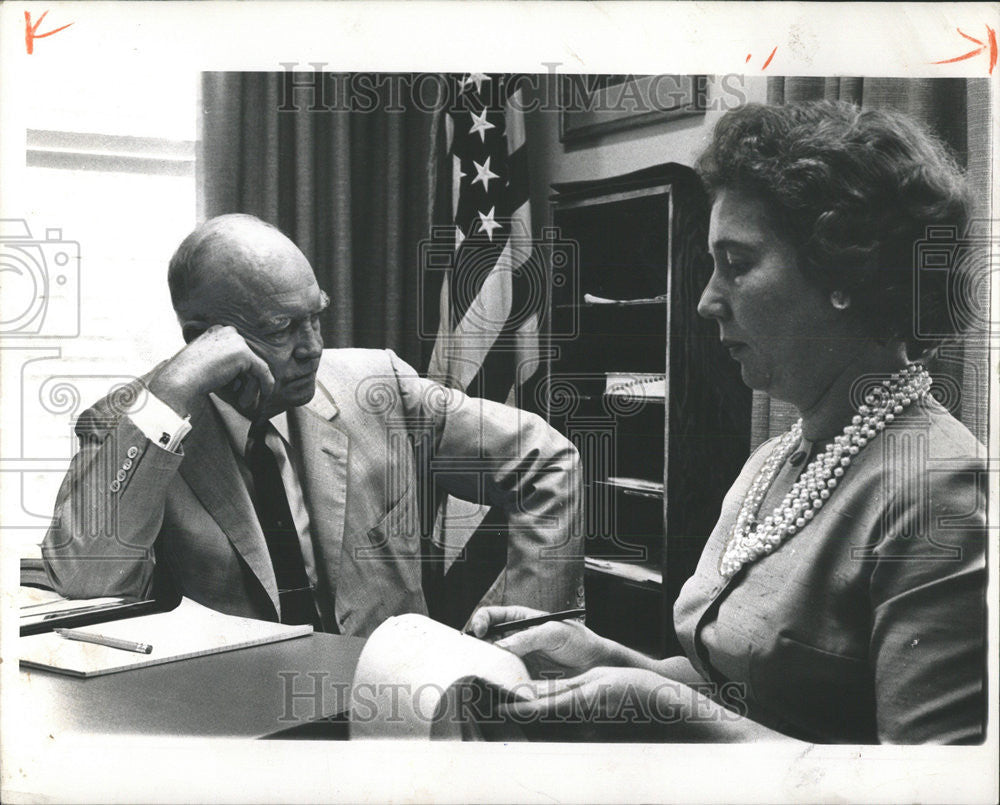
(252, 693)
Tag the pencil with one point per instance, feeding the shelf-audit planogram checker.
(524, 623)
(104, 640)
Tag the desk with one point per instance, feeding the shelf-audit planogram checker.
(243, 693)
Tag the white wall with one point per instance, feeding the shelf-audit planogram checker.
(678, 140)
(107, 317)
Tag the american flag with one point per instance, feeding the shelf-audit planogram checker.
(491, 299)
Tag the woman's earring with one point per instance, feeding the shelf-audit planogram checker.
(840, 300)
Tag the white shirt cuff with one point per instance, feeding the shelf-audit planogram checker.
(161, 423)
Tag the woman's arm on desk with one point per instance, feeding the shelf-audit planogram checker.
(602, 681)
(570, 648)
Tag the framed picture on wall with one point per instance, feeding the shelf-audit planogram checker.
(595, 105)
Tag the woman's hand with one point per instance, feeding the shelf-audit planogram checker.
(566, 648)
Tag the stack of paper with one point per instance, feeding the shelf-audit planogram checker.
(410, 676)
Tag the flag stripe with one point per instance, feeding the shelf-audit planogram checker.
(514, 115)
(517, 170)
(491, 301)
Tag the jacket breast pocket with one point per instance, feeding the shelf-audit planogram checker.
(825, 696)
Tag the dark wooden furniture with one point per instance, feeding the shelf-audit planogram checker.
(643, 388)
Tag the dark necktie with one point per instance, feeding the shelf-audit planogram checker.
(275, 516)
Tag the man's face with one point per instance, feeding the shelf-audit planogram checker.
(268, 292)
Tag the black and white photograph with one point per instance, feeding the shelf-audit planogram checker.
(613, 424)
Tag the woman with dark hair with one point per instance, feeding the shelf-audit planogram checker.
(841, 596)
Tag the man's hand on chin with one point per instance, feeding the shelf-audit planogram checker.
(218, 360)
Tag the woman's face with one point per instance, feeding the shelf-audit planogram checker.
(787, 337)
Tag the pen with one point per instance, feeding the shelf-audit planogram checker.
(524, 623)
(104, 640)
(65, 613)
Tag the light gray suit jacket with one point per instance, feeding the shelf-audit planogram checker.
(373, 442)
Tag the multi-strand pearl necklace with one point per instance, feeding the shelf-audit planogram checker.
(751, 539)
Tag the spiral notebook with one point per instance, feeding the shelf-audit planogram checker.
(189, 630)
(636, 385)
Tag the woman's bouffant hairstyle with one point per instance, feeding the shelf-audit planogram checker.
(854, 191)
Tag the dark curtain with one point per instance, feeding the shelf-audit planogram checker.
(341, 164)
(957, 111)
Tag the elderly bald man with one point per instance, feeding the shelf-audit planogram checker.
(261, 475)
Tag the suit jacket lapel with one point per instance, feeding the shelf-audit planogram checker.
(210, 469)
(324, 451)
